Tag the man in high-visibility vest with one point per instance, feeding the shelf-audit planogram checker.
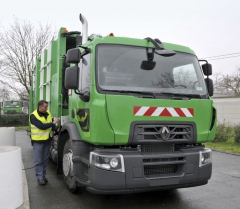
(42, 127)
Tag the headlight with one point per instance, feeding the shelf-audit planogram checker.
(205, 157)
(107, 162)
(114, 162)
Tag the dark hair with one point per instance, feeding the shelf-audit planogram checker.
(41, 102)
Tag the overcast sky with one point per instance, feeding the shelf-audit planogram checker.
(209, 27)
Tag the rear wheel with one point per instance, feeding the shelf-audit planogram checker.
(67, 165)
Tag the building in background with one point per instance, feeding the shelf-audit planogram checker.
(228, 110)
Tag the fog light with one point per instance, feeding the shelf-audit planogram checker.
(107, 162)
(205, 157)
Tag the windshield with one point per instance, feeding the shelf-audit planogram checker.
(12, 104)
(119, 68)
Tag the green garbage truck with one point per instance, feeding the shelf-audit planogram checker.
(135, 113)
(13, 107)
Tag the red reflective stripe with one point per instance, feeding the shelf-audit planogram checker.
(180, 112)
(150, 111)
(191, 110)
(165, 112)
(136, 109)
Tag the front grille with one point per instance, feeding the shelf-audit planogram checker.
(151, 171)
(11, 112)
(157, 148)
(152, 160)
(147, 133)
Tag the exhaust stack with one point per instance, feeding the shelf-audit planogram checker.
(84, 28)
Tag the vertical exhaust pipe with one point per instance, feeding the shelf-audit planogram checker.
(84, 28)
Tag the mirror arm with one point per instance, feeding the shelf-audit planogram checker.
(86, 51)
(78, 93)
(84, 47)
(203, 61)
(156, 43)
(150, 55)
(85, 97)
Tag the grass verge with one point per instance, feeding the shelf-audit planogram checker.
(20, 128)
(228, 146)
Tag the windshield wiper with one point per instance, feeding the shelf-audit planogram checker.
(173, 96)
(132, 92)
(181, 96)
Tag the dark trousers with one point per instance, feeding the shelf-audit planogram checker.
(41, 151)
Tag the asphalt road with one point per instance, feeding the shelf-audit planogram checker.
(222, 191)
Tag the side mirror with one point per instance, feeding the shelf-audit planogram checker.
(209, 84)
(207, 69)
(71, 77)
(73, 56)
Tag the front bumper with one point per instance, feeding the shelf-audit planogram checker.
(150, 172)
(150, 189)
(11, 112)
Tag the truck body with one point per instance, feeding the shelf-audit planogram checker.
(134, 112)
(13, 107)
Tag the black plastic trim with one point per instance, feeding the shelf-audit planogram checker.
(133, 140)
(71, 33)
(214, 114)
(129, 191)
(72, 113)
(72, 130)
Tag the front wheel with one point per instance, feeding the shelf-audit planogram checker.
(67, 165)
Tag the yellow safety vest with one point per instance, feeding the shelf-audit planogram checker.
(38, 134)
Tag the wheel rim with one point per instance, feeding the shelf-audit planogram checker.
(67, 164)
(67, 160)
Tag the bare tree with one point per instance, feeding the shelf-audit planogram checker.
(4, 93)
(217, 78)
(229, 83)
(23, 94)
(19, 48)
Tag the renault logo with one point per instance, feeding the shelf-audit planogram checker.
(165, 133)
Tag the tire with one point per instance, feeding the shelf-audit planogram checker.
(67, 166)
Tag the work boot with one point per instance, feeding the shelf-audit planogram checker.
(41, 182)
(45, 179)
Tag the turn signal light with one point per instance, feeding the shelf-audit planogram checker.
(64, 31)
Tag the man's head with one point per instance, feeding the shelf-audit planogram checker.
(42, 106)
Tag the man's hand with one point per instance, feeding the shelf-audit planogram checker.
(55, 120)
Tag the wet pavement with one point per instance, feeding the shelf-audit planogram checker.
(222, 191)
